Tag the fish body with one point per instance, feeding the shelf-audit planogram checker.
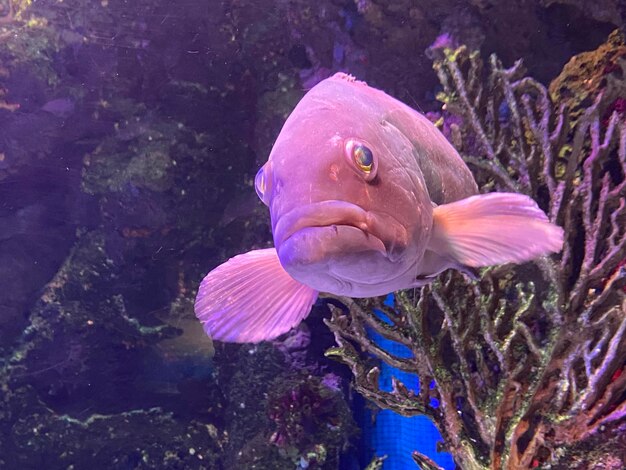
(366, 197)
(347, 231)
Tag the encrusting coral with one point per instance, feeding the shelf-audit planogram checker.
(525, 364)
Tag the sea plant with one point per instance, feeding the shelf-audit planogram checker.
(525, 363)
(309, 420)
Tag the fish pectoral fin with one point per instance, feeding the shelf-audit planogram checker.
(251, 298)
(493, 228)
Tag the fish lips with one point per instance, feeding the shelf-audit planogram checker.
(316, 230)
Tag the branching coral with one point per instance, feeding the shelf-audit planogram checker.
(309, 421)
(525, 363)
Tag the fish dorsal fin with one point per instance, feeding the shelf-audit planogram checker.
(493, 228)
(251, 298)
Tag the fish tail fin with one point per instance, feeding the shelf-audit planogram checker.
(494, 228)
(251, 298)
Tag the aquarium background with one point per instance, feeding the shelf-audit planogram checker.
(130, 134)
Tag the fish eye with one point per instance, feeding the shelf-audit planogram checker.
(261, 184)
(362, 158)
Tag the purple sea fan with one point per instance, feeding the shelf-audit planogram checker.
(535, 352)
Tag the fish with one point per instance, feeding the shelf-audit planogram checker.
(366, 197)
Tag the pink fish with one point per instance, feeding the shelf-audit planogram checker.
(366, 197)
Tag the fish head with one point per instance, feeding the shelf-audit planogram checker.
(349, 208)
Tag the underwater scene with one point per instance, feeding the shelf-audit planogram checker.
(324, 235)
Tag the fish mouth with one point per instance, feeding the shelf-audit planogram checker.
(380, 232)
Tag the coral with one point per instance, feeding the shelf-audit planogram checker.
(28, 39)
(310, 421)
(376, 463)
(587, 74)
(526, 364)
(288, 419)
